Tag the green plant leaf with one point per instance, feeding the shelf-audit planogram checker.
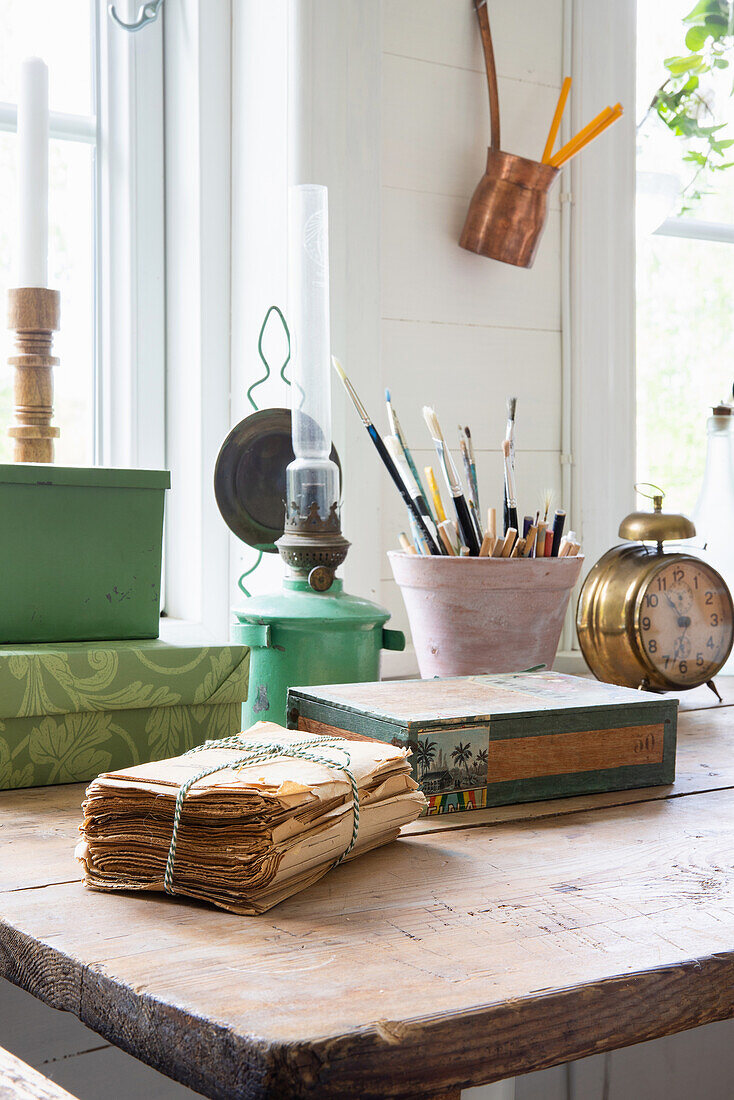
(679, 65)
(696, 37)
(704, 8)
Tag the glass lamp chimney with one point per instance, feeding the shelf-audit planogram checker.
(312, 478)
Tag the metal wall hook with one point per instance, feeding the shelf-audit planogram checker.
(147, 13)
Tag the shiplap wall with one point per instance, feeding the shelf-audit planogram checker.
(458, 330)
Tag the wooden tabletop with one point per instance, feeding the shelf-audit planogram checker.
(455, 956)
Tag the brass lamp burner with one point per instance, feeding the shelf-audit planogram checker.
(312, 545)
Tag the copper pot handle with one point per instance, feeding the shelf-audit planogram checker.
(494, 100)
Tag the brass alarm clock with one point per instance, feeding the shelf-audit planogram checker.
(652, 618)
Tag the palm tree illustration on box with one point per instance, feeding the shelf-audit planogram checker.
(481, 758)
(426, 754)
(461, 755)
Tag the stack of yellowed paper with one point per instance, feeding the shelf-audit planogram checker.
(248, 836)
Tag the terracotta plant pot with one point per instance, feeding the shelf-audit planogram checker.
(470, 616)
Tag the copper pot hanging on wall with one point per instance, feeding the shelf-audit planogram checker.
(507, 213)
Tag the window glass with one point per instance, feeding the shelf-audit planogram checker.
(685, 331)
(685, 357)
(63, 35)
(59, 31)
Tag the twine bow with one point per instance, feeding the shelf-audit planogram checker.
(258, 752)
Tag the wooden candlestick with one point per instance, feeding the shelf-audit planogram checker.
(33, 314)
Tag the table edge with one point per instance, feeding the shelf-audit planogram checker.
(395, 1059)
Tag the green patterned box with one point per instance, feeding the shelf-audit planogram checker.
(69, 712)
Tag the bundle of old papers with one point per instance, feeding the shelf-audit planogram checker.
(249, 834)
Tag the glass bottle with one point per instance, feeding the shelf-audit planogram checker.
(714, 511)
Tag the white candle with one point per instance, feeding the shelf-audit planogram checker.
(33, 173)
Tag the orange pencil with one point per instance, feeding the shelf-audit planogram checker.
(588, 133)
(555, 124)
(616, 113)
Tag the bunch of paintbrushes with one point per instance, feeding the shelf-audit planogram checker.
(432, 531)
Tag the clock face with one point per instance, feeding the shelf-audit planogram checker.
(685, 622)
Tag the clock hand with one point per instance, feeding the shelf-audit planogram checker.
(671, 603)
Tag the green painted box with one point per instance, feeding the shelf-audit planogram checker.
(69, 712)
(493, 740)
(80, 553)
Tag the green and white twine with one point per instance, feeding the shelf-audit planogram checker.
(259, 752)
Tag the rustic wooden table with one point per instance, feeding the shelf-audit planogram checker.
(467, 952)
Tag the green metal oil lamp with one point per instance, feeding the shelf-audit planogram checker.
(311, 632)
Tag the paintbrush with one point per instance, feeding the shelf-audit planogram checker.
(473, 512)
(436, 496)
(418, 540)
(510, 438)
(383, 453)
(558, 521)
(397, 430)
(467, 464)
(406, 544)
(473, 465)
(467, 533)
(397, 454)
(510, 494)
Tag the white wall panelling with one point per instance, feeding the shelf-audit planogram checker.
(527, 37)
(458, 330)
(420, 357)
(337, 70)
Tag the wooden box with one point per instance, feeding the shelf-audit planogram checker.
(492, 740)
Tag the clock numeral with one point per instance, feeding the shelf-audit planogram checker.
(666, 658)
(714, 619)
(651, 600)
(662, 584)
(645, 622)
(683, 666)
(678, 574)
(695, 581)
(699, 660)
(710, 642)
(708, 599)
(652, 646)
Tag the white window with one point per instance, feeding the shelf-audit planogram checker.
(105, 224)
(685, 268)
(64, 35)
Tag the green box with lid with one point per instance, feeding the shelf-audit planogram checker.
(71, 711)
(80, 553)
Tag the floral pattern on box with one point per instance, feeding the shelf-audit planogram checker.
(68, 713)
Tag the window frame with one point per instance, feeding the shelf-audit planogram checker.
(125, 126)
(695, 229)
(198, 225)
(600, 335)
(130, 242)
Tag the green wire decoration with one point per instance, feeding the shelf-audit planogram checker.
(260, 352)
(247, 572)
(251, 399)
